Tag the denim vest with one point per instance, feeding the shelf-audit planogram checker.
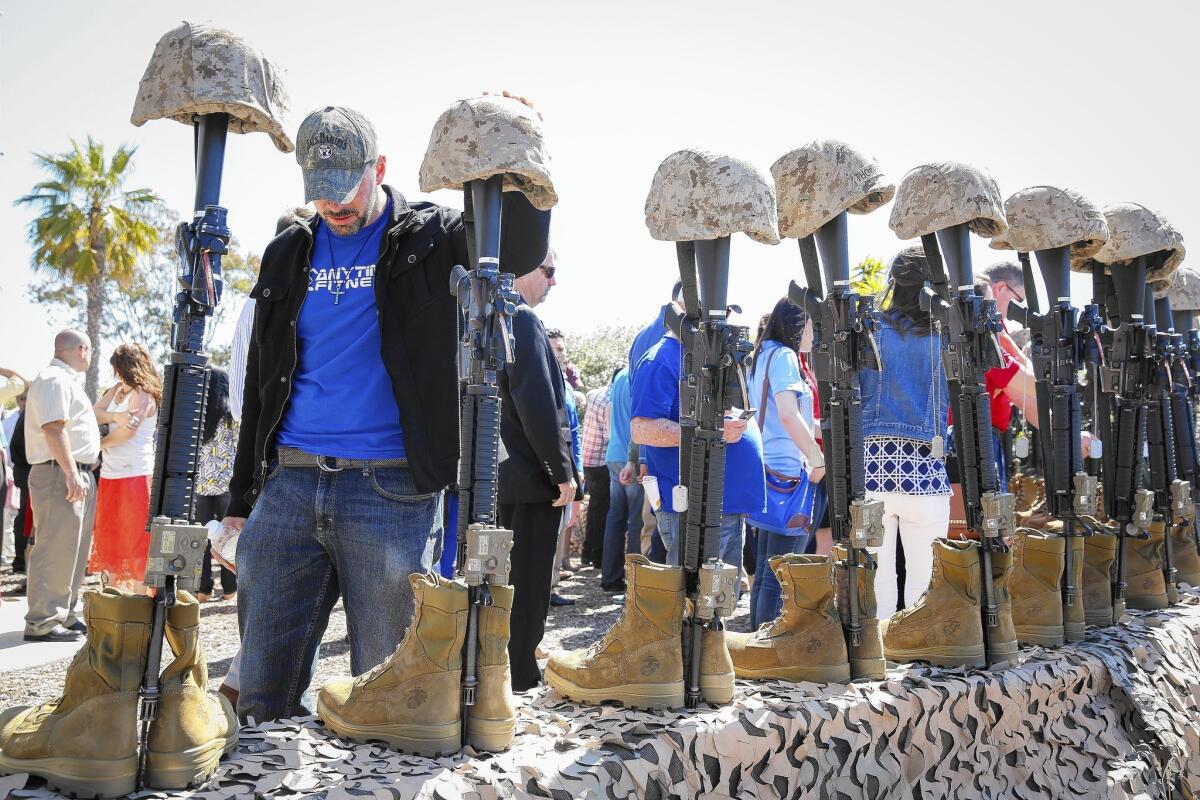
(899, 400)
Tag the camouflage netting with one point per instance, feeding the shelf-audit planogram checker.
(201, 69)
(1117, 716)
(485, 136)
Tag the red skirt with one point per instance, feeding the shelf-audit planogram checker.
(120, 543)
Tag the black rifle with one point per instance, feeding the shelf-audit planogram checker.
(1182, 412)
(488, 302)
(1126, 377)
(968, 352)
(711, 379)
(844, 325)
(176, 553)
(1059, 343)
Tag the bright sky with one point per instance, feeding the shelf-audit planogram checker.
(1098, 96)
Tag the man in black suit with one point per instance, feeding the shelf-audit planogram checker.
(537, 471)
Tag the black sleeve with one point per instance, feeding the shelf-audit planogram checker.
(531, 387)
(243, 462)
(524, 236)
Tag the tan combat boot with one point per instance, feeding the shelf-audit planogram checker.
(1075, 615)
(192, 728)
(1184, 553)
(1036, 588)
(85, 742)
(1099, 555)
(1003, 637)
(1146, 586)
(716, 667)
(944, 627)
(639, 661)
(1029, 490)
(805, 642)
(493, 718)
(866, 658)
(413, 700)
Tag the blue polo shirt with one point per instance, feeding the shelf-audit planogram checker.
(656, 396)
(618, 418)
(342, 403)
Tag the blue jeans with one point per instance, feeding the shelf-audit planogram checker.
(732, 532)
(764, 595)
(622, 528)
(314, 536)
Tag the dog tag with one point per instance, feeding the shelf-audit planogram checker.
(938, 446)
(1021, 447)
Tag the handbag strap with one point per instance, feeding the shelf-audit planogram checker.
(766, 388)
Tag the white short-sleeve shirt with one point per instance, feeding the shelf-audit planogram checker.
(57, 394)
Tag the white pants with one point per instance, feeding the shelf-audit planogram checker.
(919, 519)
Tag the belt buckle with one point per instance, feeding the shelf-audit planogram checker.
(321, 465)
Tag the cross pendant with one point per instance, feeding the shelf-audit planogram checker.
(337, 293)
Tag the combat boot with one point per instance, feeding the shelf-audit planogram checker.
(1099, 555)
(1029, 491)
(866, 658)
(192, 728)
(85, 742)
(1036, 588)
(639, 661)
(1003, 637)
(1184, 553)
(1145, 584)
(1075, 615)
(805, 642)
(493, 718)
(716, 667)
(944, 627)
(413, 700)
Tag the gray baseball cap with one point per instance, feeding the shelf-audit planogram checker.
(334, 147)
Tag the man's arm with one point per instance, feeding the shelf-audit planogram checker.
(531, 387)
(654, 432)
(60, 449)
(243, 463)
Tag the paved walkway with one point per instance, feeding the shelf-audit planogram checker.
(15, 652)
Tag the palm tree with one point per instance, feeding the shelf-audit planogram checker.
(90, 229)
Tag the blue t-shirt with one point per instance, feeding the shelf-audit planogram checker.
(656, 396)
(573, 421)
(647, 337)
(779, 451)
(618, 419)
(342, 403)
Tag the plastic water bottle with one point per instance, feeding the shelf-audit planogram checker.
(224, 540)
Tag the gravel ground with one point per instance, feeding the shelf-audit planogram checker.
(567, 627)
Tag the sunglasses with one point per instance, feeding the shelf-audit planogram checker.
(548, 270)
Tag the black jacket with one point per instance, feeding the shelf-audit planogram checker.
(418, 322)
(534, 432)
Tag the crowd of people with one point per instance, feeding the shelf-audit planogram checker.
(332, 440)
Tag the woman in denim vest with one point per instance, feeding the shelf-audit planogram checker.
(904, 425)
(793, 459)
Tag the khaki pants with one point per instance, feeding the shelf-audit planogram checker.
(56, 562)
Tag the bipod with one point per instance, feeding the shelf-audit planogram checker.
(1059, 343)
(176, 551)
(844, 325)
(969, 350)
(488, 302)
(713, 356)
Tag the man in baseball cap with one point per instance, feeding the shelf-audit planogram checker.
(350, 413)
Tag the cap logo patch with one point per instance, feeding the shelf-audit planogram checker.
(324, 151)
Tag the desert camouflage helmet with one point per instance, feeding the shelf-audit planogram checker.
(1044, 217)
(1183, 288)
(199, 69)
(485, 136)
(697, 195)
(932, 197)
(817, 182)
(1133, 231)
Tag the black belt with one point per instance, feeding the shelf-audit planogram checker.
(291, 457)
(78, 465)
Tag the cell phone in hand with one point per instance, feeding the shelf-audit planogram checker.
(747, 413)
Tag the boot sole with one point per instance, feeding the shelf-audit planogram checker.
(874, 669)
(1005, 653)
(968, 656)
(77, 776)
(491, 735)
(1073, 631)
(423, 740)
(1042, 635)
(196, 765)
(1147, 602)
(834, 673)
(717, 688)
(632, 695)
(1102, 620)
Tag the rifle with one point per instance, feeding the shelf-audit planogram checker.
(176, 554)
(1125, 377)
(969, 351)
(844, 324)
(1059, 342)
(1182, 411)
(711, 379)
(488, 301)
